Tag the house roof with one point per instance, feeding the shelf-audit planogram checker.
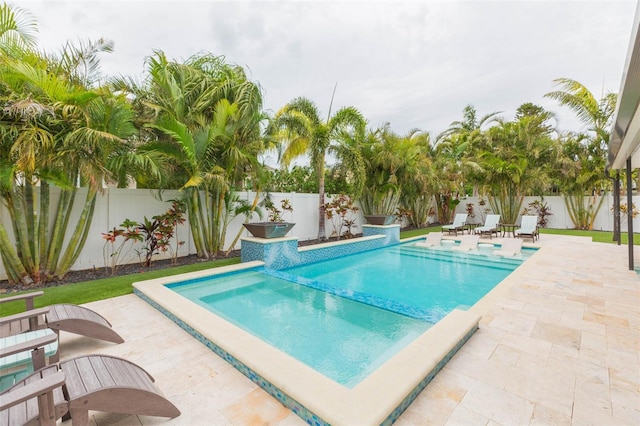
(625, 134)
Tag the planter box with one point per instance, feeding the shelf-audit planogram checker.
(380, 219)
(269, 229)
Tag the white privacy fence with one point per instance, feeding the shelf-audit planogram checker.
(560, 217)
(116, 205)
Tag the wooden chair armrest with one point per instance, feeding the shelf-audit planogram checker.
(27, 297)
(31, 390)
(24, 315)
(38, 342)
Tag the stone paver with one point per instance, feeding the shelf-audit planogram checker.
(560, 347)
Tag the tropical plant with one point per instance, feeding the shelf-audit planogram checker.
(275, 214)
(399, 174)
(341, 211)
(518, 162)
(584, 181)
(113, 254)
(55, 131)
(157, 233)
(625, 211)
(18, 31)
(455, 158)
(299, 129)
(541, 209)
(203, 118)
(304, 179)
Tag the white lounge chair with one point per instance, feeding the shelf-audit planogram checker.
(490, 225)
(509, 248)
(433, 239)
(467, 242)
(458, 224)
(528, 228)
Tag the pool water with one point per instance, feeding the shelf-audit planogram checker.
(426, 284)
(345, 317)
(342, 339)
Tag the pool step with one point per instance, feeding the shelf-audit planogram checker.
(481, 257)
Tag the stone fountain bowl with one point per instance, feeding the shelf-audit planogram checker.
(269, 229)
(380, 219)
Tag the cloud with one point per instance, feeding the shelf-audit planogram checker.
(410, 63)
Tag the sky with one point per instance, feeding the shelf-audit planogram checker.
(413, 64)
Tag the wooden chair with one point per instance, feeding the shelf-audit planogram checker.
(111, 384)
(92, 382)
(59, 317)
(38, 399)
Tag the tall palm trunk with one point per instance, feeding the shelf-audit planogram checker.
(583, 210)
(322, 235)
(17, 210)
(30, 210)
(195, 222)
(79, 236)
(16, 271)
(43, 225)
(63, 212)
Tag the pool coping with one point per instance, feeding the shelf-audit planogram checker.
(378, 399)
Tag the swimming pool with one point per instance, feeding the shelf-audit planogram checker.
(345, 317)
(308, 393)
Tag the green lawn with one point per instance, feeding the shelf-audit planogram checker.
(90, 291)
(596, 236)
(105, 288)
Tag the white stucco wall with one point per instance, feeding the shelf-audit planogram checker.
(116, 205)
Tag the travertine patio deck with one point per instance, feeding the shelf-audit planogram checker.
(558, 344)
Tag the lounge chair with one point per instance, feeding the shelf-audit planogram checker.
(433, 239)
(92, 382)
(509, 248)
(490, 225)
(59, 317)
(467, 242)
(528, 228)
(458, 224)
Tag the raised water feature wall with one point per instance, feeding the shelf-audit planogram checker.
(280, 253)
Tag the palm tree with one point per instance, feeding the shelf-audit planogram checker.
(203, 118)
(583, 193)
(469, 123)
(18, 30)
(456, 156)
(399, 174)
(517, 162)
(55, 131)
(597, 115)
(300, 130)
